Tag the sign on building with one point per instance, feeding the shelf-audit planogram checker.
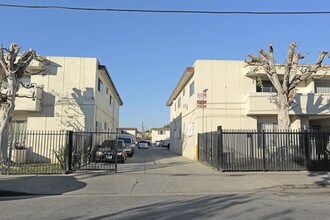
(201, 100)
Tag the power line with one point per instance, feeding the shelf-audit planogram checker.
(168, 11)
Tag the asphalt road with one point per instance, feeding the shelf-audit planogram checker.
(157, 184)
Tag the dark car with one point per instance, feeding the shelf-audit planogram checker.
(106, 152)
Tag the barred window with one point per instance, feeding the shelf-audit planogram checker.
(322, 86)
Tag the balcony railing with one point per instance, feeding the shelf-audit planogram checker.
(29, 100)
(310, 104)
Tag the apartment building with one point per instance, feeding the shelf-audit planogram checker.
(225, 93)
(75, 94)
(158, 134)
(132, 131)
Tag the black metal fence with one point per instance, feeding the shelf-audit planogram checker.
(53, 152)
(269, 150)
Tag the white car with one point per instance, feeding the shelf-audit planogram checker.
(165, 143)
(143, 144)
(157, 143)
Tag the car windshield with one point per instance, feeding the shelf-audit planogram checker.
(126, 140)
(143, 142)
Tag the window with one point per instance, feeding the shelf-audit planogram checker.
(174, 106)
(106, 90)
(19, 127)
(110, 100)
(179, 102)
(105, 126)
(267, 86)
(161, 132)
(192, 89)
(322, 86)
(100, 85)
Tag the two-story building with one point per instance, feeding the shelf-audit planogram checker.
(75, 93)
(132, 131)
(158, 134)
(225, 93)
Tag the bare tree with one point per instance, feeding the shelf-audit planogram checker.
(13, 66)
(286, 90)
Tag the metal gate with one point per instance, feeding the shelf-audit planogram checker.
(267, 150)
(82, 149)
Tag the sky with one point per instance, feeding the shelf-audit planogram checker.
(146, 53)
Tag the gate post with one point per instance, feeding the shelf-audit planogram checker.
(220, 149)
(206, 146)
(197, 147)
(116, 150)
(70, 146)
(264, 150)
(306, 148)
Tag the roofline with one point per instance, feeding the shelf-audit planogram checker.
(103, 67)
(186, 76)
(160, 129)
(128, 129)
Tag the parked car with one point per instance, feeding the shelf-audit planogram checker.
(149, 142)
(165, 143)
(143, 144)
(157, 143)
(129, 143)
(106, 152)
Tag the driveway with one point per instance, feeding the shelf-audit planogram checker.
(157, 184)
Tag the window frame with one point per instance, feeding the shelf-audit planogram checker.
(192, 88)
(100, 85)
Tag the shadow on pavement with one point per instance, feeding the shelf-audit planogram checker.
(324, 178)
(130, 169)
(12, 187)
(151, 154)
(200, 208)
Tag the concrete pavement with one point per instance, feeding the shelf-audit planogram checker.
(170, 174)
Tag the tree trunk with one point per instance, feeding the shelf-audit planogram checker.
(6, 112)
(283, 118)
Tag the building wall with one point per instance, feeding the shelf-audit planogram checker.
(233, 103)
(155, 136)
(132, 131)
(70, 99)
(227, 90)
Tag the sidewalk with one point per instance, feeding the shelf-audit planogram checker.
(176, 175)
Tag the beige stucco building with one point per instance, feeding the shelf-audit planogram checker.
(158, 134)
(234, 101)
(132, 131)
(75, 94)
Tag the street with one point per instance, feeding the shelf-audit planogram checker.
(157, 184)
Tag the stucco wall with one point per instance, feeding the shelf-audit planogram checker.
(70, 99)
(158, 137)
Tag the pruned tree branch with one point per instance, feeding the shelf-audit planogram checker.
(308, 72)
(286, 91)
(42, 72)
